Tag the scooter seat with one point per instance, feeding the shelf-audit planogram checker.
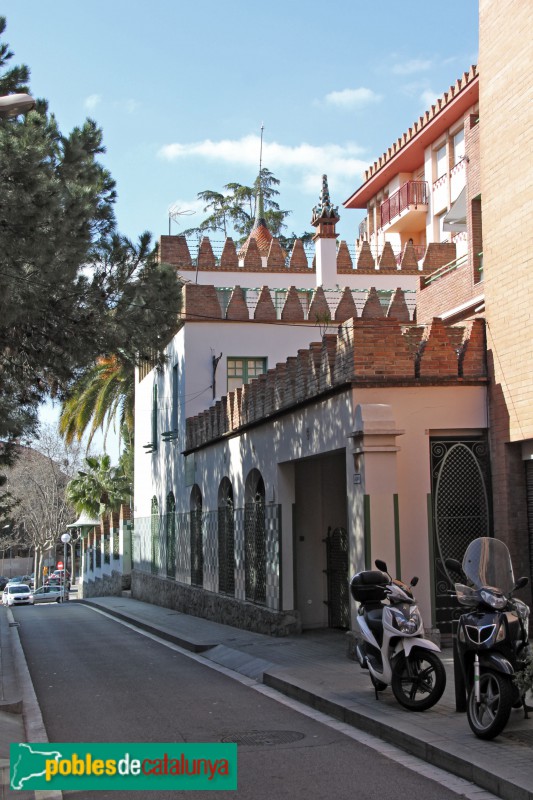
(374, 620)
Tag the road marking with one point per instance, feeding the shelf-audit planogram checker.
(459, 786)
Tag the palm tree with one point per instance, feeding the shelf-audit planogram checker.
(103, 393)
(100, 490)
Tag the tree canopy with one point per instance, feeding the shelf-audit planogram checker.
(72, 289)
(99, 489)
(233, 211)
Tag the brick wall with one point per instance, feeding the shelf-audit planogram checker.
(506, 126)
(379, 352)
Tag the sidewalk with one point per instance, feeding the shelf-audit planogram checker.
(314, 669)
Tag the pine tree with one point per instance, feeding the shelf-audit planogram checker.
(72, 289)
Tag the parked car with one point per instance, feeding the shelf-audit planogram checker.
(48, 594)
(17, 594)
(16, 579)
(60, 573)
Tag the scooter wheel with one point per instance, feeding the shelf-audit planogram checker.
(418, 681)
(489, 717)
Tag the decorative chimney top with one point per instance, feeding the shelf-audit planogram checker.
(325, 215)
(324, 209)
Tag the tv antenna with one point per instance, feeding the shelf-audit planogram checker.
(174, 212)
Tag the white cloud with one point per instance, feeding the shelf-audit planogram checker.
(303, 162)
(412, 66)
(92, 101)
(131, 106)
(428, 98)
(352, 98)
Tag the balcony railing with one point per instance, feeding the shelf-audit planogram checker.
(412, 193)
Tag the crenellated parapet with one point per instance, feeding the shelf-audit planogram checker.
(364, 352)
(207, 303)
(270, 257)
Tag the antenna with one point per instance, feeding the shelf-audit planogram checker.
(261, 151)
(174, 212)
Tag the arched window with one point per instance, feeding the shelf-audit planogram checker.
(171, 535)
(255, 538)
(226, 538)
(197, 551)
(154, 531)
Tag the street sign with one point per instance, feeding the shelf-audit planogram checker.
(59, 565)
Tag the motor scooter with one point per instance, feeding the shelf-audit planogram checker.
(491, 644)
(391, 643)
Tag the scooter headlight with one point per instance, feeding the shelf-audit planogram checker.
(407, 623)
(492, 599)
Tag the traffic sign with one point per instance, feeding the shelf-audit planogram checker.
(59, 565)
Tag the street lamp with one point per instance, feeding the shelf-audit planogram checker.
(65, 538)
(11, 105)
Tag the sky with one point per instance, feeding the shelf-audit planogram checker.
(182, 89)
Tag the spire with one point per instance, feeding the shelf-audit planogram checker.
(259, 203)
(260, 231)
(325, 209)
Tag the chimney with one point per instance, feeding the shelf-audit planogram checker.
(325, 218)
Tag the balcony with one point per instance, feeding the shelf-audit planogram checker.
(413, 195)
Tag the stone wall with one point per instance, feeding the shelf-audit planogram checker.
(208, 605)
(103, 586)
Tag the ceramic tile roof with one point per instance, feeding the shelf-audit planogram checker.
(262, 237)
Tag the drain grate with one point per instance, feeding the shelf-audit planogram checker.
(520, 737)
(263, 737)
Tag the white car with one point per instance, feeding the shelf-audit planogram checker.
(48, 594)
(17, 594)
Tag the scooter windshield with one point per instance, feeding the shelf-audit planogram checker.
(487, 562)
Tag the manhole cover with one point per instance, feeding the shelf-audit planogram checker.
(520, 737)
(263, 737)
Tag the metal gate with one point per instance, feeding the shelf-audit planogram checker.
(461, 512)
(337, 574)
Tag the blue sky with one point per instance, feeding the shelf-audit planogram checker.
(181, 89)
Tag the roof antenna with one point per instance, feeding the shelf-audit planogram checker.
(259, 206)
(175, 212)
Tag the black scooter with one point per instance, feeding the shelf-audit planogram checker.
(492, 637)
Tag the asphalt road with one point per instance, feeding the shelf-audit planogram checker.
(98, 681)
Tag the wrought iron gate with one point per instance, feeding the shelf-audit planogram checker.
(460, 479)
(337, 574)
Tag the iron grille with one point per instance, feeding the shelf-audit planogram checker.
(197, 554)
(226, 550)
(262, 562)
(107, 548)
(338, 601)
(170, 560)
(116, 543)
(98, 547)
(461, 512)
(255, 552)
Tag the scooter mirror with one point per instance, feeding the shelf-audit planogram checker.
(414, 581)
(452, 563)
(381, 565)
(521, 582)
